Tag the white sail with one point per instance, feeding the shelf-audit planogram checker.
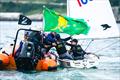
(96, 13)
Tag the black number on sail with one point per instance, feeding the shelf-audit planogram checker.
(105, 26)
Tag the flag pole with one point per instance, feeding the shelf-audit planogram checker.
(43, 23)
(42, 29)
(68, 8)
(68, 13)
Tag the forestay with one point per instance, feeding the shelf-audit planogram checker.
(96, 13)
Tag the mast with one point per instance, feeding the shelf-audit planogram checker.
(68, 8)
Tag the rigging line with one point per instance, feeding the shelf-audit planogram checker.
(106, 47)
(99, 38)
(82, 42)
(89, 44)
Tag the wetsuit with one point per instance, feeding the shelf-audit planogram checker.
(76, 51)
(61, 48)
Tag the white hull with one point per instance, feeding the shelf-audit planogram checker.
(89, 62)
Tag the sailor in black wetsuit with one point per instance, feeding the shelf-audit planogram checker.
(61, 48)
(76, 50)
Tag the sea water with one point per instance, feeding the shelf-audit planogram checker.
(108, 68)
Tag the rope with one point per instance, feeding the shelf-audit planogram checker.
(89, 44)
(82, 42)
(106, 47)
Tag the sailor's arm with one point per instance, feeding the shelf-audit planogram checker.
(66, 39)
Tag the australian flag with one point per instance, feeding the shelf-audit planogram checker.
(23, 20)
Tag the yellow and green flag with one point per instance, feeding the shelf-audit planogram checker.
(53, 21)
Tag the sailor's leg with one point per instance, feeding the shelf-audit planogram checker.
(66, 56)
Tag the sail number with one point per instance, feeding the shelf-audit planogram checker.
(84, 2)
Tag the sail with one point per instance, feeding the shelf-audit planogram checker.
(98, 14)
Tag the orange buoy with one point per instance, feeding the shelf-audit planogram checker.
(46, 65)
(4, 59)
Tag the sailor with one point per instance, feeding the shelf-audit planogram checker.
(30, 47)
(76, 50)
(47, 40)
(45, 48)
(50, 37)
(42, 43)
(47, 55)
(26, 37)
(37, 39)
(61, 48)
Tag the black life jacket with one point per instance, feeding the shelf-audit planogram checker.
(77, 50)
(61, 49)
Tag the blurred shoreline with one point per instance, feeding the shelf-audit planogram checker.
(35, 17)
(11, 9)
(14, 16)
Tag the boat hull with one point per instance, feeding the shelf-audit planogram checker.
(26, 64)
(90, 61)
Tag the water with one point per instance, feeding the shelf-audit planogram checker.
(109, 68)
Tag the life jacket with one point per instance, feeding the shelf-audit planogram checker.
(77, 51)
(61, 49)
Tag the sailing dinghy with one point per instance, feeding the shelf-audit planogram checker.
(99, 15)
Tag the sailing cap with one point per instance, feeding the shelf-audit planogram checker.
(74, 40)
